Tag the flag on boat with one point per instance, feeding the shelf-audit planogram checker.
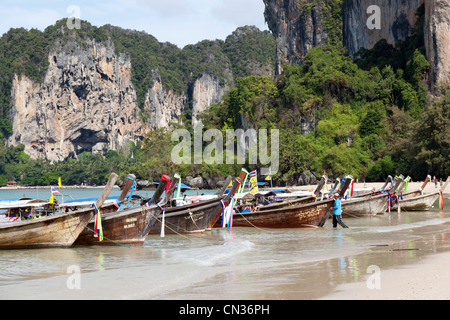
(98, 230)
(165, 177)
(54, 191)
(59, 182)
(269, 176)
(253, 182)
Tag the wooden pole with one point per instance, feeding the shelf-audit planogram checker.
(109, 185)
(126, 188)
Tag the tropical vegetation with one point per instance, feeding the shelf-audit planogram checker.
(370, 116)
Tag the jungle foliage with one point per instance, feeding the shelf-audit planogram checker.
(370, 116)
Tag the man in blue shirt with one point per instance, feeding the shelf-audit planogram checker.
(337, 213)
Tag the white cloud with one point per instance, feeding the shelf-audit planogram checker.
(27, 17)
(238, 12)
(178, 21)
(168, 9)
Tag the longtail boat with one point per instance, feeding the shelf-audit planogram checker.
(25, 208)
(129, 226)
(296, 202)
(195, 217)
(59, 230)
(284, 204)
(297, 216)
(370, 204)
(421, 201)
(414, 193)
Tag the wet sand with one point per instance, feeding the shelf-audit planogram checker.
(428, 279)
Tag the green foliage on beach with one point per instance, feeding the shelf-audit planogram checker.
(369, 115)
(91, 169)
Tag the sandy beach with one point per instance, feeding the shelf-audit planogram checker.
(428, 279)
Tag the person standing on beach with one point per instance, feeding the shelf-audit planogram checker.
(337, 213)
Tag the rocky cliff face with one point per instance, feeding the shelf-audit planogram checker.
(437, 39)
(207, 91)
(298, 26)
(397, 20)
(86, 102)
(165, 106)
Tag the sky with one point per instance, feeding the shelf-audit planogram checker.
(180, 22)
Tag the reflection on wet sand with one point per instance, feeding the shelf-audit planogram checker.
(252, 263)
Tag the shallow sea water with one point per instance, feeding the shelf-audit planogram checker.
(242, 263)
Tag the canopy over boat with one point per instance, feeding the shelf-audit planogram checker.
(22, 203)
(84, 202)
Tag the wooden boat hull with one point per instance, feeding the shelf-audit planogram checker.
(288, 203)
(303, 216)
(195, 219)
(128, 227)
(370, 205)
(418, 203)
(60, 230)
(410, 194)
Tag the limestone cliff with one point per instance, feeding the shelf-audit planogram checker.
(165, 106)
(207, 91)
(86, 102)
(296, 30)
(299, 25)
(437, 39)
(397, 21)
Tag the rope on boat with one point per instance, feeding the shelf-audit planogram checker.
(266, 230)
(174, 231)
(190, 214)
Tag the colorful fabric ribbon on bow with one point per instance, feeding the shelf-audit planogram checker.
(98, 230)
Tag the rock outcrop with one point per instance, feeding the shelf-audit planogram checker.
(397, 21)
(437, 39)
(299, 25)
(86, 102)
(207, 91)
(296, 30)
(165, 106)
